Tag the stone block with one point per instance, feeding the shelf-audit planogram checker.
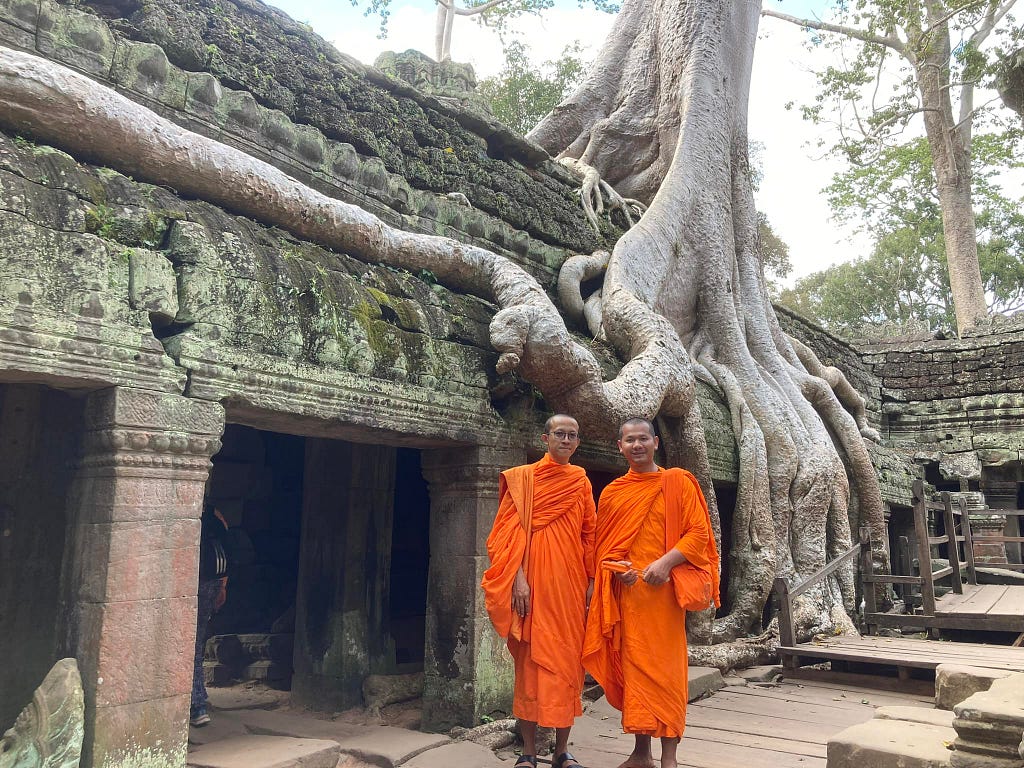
(268, 672)
(215, 673)
(954, 683)
(703, 681)
(145, 733)
(761, 674)
(265, 752)
(152, 284)
(226, 649)
(135, 651)
(381, 690)
(269, 647)
(890, 744)
(128, 561)
(80, 40)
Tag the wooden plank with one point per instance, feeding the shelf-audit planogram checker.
(841, 697)
(979, 599)
(777, 710)
(925, 689)
(1010, 604)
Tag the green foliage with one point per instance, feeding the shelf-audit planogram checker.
(523, 92)
(905, 277)
(497, 16)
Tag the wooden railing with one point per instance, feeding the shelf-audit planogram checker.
(951, 537)
(785, 593)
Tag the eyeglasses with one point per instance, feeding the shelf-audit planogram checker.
(572, 437)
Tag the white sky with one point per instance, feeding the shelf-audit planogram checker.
(790, 193)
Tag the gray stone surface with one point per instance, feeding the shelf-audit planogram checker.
(941, 717)
(890, 744)
(462, 754)
(265, 752)
(990, 725)
(760, 674)
(954, 683)
(703, 680)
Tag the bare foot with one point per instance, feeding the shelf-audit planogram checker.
(637, 761)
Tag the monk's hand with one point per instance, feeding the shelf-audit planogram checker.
(521, 594)
(658, 572)
(628, 577)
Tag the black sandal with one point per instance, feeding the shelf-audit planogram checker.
(565, 757)
(524, 760)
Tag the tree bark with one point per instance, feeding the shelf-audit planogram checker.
(950, 150)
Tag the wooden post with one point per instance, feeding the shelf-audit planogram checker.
(965, 525)
(867, 570)
(924, 552)
(953, 547)
(787, 636)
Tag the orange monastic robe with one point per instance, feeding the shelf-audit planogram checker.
(545, 522)
(635, 644)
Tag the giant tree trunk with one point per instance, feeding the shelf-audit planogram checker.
(684, 293)
(693, 260)
(949, 144)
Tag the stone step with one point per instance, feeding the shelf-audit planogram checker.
(940, 717)
(956, 682)
(882, 743)
(265, 752)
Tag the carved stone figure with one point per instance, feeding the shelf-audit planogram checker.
(48, 732)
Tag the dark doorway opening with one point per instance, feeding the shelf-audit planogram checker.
(410, 560)
(256, 483)
(40, 430)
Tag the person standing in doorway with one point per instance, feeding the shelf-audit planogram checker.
(213, 583)
(537, 588)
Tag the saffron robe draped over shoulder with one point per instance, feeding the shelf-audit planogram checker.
(546, 524)
(635, 644)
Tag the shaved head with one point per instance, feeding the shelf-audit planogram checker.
(551, 421)
(636, 421)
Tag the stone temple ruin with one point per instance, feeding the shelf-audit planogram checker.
(346, 417)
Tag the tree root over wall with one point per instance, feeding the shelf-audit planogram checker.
(683, 297)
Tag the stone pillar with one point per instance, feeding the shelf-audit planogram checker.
(467, 669)
(341, 608)
(133, 569)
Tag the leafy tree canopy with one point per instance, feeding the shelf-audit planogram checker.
(905, 277)
(523, 92)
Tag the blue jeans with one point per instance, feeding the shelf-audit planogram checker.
(208, 591)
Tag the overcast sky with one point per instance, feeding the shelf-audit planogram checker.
(790, 193)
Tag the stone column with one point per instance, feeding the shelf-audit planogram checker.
(341, 609)
(467, 669)
(132, 571)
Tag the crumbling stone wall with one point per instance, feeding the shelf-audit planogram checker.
(955, 397)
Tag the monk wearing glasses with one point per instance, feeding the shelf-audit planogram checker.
(537, 589)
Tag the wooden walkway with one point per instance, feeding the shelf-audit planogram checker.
(903, 653)
(787, 725)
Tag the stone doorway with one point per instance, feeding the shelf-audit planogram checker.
(330, 551)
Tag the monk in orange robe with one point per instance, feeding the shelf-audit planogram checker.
(655, 553)
(539, 584)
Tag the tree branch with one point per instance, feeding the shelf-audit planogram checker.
(478, 8)
(891, 41)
